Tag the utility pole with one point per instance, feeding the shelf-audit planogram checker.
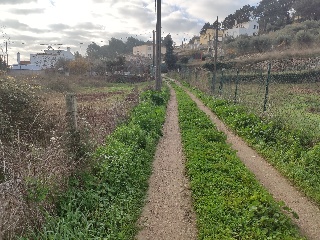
(7, 54)
(215, 56)
(154, 50)
(158, 50)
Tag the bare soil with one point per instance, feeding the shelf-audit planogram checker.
(168, 213)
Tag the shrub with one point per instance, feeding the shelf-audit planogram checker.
(304, 38)
(19, 109)
(243, 44)
(261, 43)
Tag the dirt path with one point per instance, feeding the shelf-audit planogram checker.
(277, 185)
(168, 213)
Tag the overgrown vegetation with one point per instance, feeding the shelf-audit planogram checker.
(105, 201)
(297, 35)
(229, 201)
(292, 151)
(37, 154)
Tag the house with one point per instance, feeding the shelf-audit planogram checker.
(146, 50)
(40, 61)
(250, 28)
(195, 45)
(207, 38)
(24, 65)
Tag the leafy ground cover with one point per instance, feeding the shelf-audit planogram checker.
(105, 202)
(292, 151)
(229, 202)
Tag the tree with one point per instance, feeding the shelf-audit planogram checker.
(62, 63)
(133, 42)
(244, 14)
(77, 55)
(93, 51)
(229, 21)
(205, 27)
(216, 25)
(273, 14)
(114, 49)
(169, 57)
(3, 64)
(79, 66)
(307, 9)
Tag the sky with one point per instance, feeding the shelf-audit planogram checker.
(31, 26)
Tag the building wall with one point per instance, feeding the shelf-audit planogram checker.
(209, 36)
(44, 60)
(248, 28)
(25, 67)
(146, 50)
(49, 58)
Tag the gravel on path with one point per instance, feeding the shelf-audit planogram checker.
(168, 213)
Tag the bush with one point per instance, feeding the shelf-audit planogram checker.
(243, 44)
(261, 43)
(304, 38)
(19, 109)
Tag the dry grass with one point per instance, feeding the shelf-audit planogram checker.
(279, 54)
(36, 170)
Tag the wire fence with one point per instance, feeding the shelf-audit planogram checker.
(288, 94)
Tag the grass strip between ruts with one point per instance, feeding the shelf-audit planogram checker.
(228, 200)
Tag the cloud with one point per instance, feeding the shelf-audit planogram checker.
(21, 11)
(138, 14)
(58, 27)
(18, 26)
(3, 2)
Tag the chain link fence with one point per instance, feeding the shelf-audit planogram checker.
(279, 91)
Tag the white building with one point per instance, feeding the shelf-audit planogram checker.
(40, 61)
(24, 65)
(250, 28)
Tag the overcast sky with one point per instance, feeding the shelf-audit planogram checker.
(29, 26)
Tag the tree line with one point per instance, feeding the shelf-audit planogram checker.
(271, 14)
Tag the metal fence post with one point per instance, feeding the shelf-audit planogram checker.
(221, 84)
(267, 89)
(236, 91)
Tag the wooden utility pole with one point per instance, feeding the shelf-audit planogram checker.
(215, 56)
(154, 50)
(7, 54)
(158, 43)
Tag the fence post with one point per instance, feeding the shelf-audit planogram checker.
(72, 111)
(236, 91)
(221, 83)
(74, 141)
(196, 73)
(267, 89)
(213, 82)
